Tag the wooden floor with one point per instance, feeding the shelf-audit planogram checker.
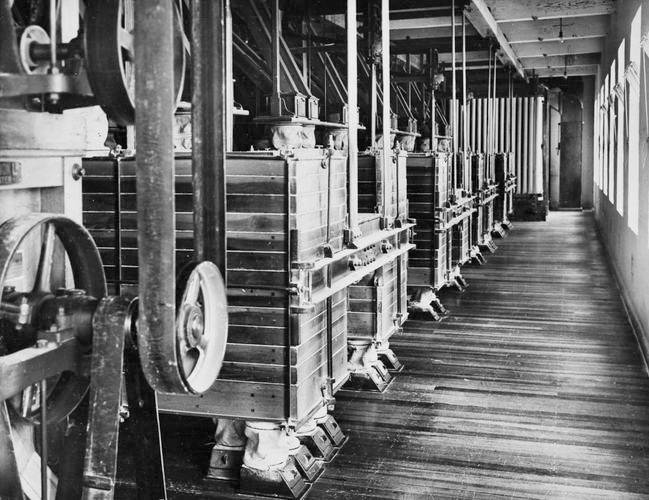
(533, 387)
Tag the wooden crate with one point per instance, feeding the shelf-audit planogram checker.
(378, 303)
(370, 185)
(429, 183)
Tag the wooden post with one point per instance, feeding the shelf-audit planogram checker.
(385, 63)
(352, 114)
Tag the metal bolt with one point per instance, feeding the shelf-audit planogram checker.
(42, 343)
(78, 171)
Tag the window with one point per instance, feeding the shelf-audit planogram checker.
(620, 139)
(634, 122)
(611, 134)
(596, 142)
(605, 123)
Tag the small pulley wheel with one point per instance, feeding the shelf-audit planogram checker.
(201, 326)
(33, 34)
(109, 26)
(40, 253)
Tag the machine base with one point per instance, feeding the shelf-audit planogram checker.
(286, 482)
(375, 377)
(390, 360)
(225, 463)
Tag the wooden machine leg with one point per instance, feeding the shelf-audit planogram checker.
(268, 467)
(387, 357)
(316, 440)
(367, 371)
(425, 300)
(227, 453)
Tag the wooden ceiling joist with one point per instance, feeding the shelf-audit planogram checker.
(528, 10)
(560, 61)
(483, 21)
(545, 30)
(569, 47)
(586, 70)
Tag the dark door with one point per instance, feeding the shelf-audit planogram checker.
(570, 165)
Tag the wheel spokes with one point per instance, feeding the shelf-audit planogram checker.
(125, 40)
(43, 279)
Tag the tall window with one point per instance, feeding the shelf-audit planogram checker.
(596, 144)
(605, 123)
(620, 139)
(634, 122)
(611, 134)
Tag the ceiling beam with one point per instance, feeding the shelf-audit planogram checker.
(544, 30)
(560, 61)
(442, 45)
(586, 70)
(478, 13)
(471, 56)
(419, 33)
(528, 10)
(424, 22)
(570, 47)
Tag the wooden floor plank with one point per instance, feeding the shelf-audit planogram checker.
(534, 387)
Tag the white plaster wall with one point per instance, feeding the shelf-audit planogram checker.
(629, 252)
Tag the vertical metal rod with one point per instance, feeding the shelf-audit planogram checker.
(209, 130)
(538, 188)
(352, 113)
(519, 144)
(487, 117)
(373, 105)
(385, 67)
(276, 62)
(454, 82)
(44, 478)
(229, 78)
(495, 110)
(53, 36)
(525, 159)
(501, 125)
(479, 125)
(465, 127)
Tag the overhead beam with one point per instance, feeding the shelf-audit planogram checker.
(545, 30)
(528, 10)
(570, 47)
(478, 13)
(586, 70)
(420, 33)
(423, 45)
(423, 22)
(471, 56)
(560, 61)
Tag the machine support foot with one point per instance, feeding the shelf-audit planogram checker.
(425, 300)
(268, 466)
(367, 371)
(388, 358)
(227, 453)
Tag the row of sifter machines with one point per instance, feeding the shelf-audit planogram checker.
(312, 306)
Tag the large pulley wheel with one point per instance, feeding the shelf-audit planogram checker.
(201, 326)
(110, 56)
(40, 255)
